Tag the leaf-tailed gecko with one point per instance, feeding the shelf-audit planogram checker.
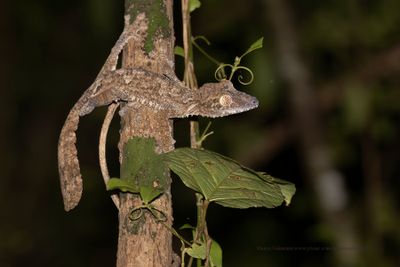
(139, 87)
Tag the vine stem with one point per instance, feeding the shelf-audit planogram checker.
(189, 75)
(175, 233)
(201, 232)
(213, 60)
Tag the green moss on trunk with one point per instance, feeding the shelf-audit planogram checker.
(156, 13)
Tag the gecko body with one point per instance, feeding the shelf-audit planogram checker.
(139, 87)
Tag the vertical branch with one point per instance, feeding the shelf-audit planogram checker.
(189, 74)
(201, 233)
(146, 242)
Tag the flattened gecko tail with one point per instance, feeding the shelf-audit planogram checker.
(68, 164)
(71, 200)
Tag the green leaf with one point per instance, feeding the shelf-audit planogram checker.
(197, 251)
(222, 180)
(256, 45)
(194, 4)
(149, 193)
(144, 168)
(215, 254)
(124, 186)
(287, 188)
(178, 50)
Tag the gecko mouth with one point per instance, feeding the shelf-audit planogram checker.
(252, 104)
(240, 108)
(218, 111)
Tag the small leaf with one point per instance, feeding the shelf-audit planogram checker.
(197, 251)
(149, 193)
(194, 4)
(256, 45)
(144, 168)
(124, 186)
(223, 180)
(215, 254)
(178, 50)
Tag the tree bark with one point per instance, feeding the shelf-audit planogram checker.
(147, 242)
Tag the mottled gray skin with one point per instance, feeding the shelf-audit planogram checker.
(138, 87)
(168, 94)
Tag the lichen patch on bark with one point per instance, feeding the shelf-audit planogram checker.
(155, 11)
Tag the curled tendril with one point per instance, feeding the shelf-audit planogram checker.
(241, 78)
(220, 73)
(158, 214)
(137, 213)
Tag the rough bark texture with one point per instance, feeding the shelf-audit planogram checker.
(146, 242)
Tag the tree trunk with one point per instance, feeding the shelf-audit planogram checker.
(146, 242)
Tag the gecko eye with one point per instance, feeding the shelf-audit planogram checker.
(225, 100)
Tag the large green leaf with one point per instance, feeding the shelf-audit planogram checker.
(222, 180)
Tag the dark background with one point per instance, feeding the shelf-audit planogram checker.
(347, 54)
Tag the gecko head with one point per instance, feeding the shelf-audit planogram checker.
(222, 99)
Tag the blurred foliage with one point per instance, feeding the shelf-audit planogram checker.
(52, 51)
